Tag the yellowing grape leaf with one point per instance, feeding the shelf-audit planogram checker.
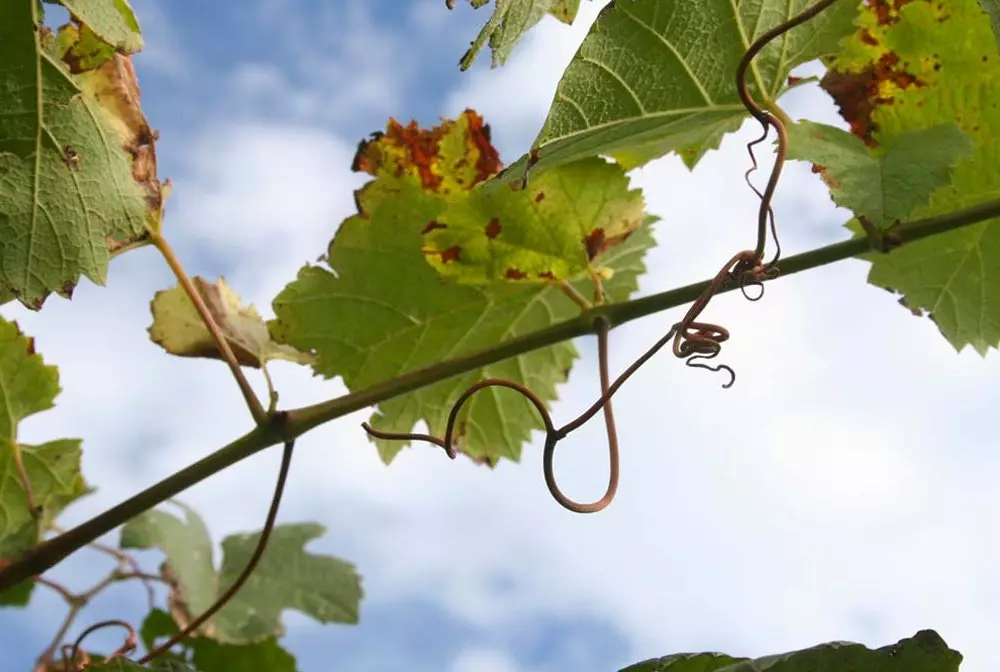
(380, 310)
(287, 577)
(510, 20)
(77, 167)
(52, 470)
(655, 76)
(554, 230)
(884, 184)
(179, 330)
(112, 20)
(913, 68)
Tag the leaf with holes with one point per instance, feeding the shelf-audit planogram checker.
(179, 330)
(657, 76)
(511, 19)
(883, 185)
(77, 169)
(51, 471)
(924, 652)
(554, 230)
(911, 69)
(379, 310)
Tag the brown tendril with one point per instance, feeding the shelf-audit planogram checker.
(130, 644)
(265, 535)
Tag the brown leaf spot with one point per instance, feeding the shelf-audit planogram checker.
(514, 274)
(451, 254)
(857, 94)
(594, 243)
(868, 38)
(493, 228)
(432, 225)
(548, 275)
(539, 197)
(70, 158)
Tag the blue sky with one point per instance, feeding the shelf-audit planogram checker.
(842, 489)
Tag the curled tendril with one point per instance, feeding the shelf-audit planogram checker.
(694, 341)
(130, 644)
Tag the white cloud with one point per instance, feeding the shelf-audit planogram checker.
(483, 660)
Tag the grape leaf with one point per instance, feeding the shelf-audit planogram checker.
(882, 185)
(209, 656)
(655, 76)
(380, 310)
(52, 470)
(77, 167)
(554, 230)
(121, 664)
(179, 330)
(913, 68)
(194, 584)
(112, 20)
(510, 20)
(287, 577)
(924, 652)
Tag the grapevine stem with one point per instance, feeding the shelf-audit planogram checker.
(288, 425)
(253, 403)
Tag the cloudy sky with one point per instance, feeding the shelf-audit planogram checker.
(844, 488)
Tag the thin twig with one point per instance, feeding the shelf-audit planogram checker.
(253, 403)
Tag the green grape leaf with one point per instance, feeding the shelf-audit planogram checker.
(924, 652)
(208, 655)
(179, 330)
(883, 185)
(18, 596)
(77, 168)
(511, 19)
(992, 8)
(50, 471)
(112, 20)
(381, 310)
(188, 547)
(910, 69)
(287, 577)
(554, 230)
(655, 76)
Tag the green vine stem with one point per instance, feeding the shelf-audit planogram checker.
(288, 425)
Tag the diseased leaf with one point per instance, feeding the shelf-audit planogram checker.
(913, 68)
(656, 76)
(511, 19)
(113, 20)
(194, 584)
(924, 652)
(883, 185)
(52, 470)
(554, 230)
(77, 167)
(287, 577)
(380, 310)
(179, 330)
